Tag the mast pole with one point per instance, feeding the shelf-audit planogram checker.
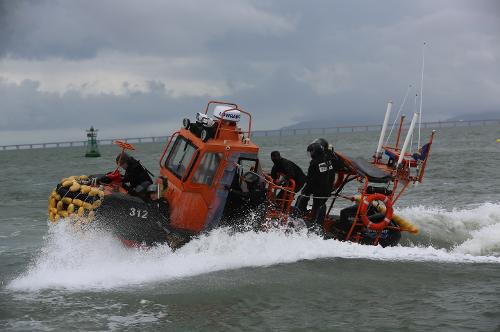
(378, 152)
(408, 137)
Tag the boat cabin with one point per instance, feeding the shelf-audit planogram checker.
(212, 167)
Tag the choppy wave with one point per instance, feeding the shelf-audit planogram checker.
(95, 260)
(472, 230)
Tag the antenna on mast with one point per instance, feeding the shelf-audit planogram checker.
(421, 94)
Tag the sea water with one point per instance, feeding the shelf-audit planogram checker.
(445, 278)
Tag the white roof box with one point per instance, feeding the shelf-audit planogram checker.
(233, 115)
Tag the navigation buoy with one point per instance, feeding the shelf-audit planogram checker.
(92, 148)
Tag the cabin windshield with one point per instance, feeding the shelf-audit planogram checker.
(207, 169)
(179, 159)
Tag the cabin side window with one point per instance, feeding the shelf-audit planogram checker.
(207, 169)
(180, 156)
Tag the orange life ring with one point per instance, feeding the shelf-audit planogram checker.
(388, 211)
(339, 180)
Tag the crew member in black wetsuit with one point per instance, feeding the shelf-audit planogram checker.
(319, 183)
(335, 161)
(136, 179)
(289, 169)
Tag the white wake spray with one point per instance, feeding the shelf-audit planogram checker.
(93, 260)
(471, 230)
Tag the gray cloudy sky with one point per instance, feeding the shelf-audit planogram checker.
(135, 68)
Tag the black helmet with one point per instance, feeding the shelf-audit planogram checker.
(123, 158)
(316, 150)
(323, 142)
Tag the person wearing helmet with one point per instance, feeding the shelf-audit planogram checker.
(136, 179)
(319, 183)
(289, 169)
(330, 154)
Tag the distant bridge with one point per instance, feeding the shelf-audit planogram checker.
(257, 133)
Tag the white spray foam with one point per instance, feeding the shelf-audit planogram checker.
(485, 241)
(478, 224)
(98, 261)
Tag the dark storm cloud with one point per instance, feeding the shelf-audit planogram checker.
(80, 29)
(26, 107)
(283, 60)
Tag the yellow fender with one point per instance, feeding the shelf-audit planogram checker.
(94, 191)
(52, 203)
(85, 189)
(71, 208)
(64, 214)
(78, 202)
(96, 204)
(87, 206)
(67, 200)
(405, 224)
(59, 205)
(83, 177)
(81, 211)
(67, 183)
(75, 187)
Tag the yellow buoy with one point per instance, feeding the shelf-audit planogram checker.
(78, 202)
(59, 206)
(96, 204)
(74, 187)
(67, 183)
(64, 214)
(85, 189)
(83, 177)
(81, 210)
(498, 140)
(94, 191)
(71, 208)
(88, 206)
(67, 200)
(91, 215)
(52, 203)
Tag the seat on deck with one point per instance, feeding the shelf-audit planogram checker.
(364, 168)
